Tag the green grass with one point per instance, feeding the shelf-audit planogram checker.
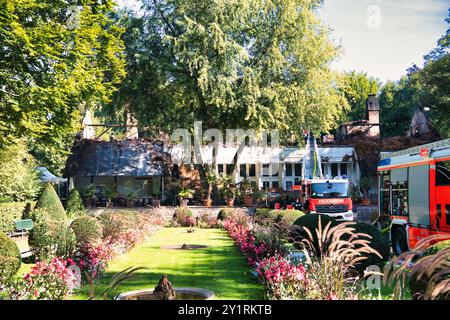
(220, 267)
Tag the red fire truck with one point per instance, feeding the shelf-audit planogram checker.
(318, 194)
(414, 192)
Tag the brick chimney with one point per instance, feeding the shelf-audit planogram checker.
(373, 115)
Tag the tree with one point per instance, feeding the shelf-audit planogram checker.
(231, 64)
(357, 86)
(19, 179)
(398, 101)
(49, 200)
(55, 60)
(74, 204)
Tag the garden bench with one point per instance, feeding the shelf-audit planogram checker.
(22, 226)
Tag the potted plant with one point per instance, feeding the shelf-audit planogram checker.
(87, 194)
(364, 185)
(110, 194)
(211, 178)
(247, 193)
(130, 197)
(156, 202)
(184, 195)
(228, 189)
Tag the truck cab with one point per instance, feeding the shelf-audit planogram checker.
(330, 197)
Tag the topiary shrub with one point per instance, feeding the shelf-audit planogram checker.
(225, 213)
(290, 216)
(183, 217)
(64, 240)
(74, 206)
(311, 222)
(40, 240)
(39, 215)
(10, 212)
(10, 259)
(49, 200)
(377, 242)
(87, 230)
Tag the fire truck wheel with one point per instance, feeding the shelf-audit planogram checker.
(399, 244)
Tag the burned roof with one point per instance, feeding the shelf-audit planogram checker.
(134, 157)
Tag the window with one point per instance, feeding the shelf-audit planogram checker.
(443, 173)
(220, 168)
(298, 169)
(230, 168)
(265, 170)
(275, 168)
(343, 169)
(243, 170)
(266, 185)
(288, 168)
(275, 184)
(252, 171)
(334, 170)
(288, 185)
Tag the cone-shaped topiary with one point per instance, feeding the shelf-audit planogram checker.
(49, 200)
(74, 204)
(10, 260)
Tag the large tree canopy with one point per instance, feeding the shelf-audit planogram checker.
(231, 64)
(55, 60)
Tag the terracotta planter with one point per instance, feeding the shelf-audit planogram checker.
(156, 203)
(207, 202)
(230, 202)
(365, 202)
(248, 201)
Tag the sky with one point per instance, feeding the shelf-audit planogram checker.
(380, 37)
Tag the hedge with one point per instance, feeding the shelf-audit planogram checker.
(10, 212)
(10, 259)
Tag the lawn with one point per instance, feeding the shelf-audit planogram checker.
(220, 267)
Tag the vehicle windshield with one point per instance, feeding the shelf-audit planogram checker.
(329, 190)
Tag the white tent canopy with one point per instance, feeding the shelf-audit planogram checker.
(47, 176)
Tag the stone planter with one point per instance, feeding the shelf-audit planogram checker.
(109, 204)
(130, 203)
(184, 202)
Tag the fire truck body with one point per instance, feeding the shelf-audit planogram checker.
(414, 190)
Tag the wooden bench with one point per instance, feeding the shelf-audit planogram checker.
(22, 227)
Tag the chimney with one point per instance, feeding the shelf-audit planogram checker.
(373, 115)
(88, 131)
(132, 128)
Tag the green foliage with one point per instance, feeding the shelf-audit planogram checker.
(377, 242)
(19, 179)
(288, 216)
(262, 212)
(10, 259)
(64, 240)
(398, 100)
(357, 86)
(183, 217)
(74, 205)
(40, 240)
(10, 212)
(310, 222)
(52, 68)
(49, 200)
(437, 247)
(225, 213)
(112, 224)
(239, 64)
(87, 230)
